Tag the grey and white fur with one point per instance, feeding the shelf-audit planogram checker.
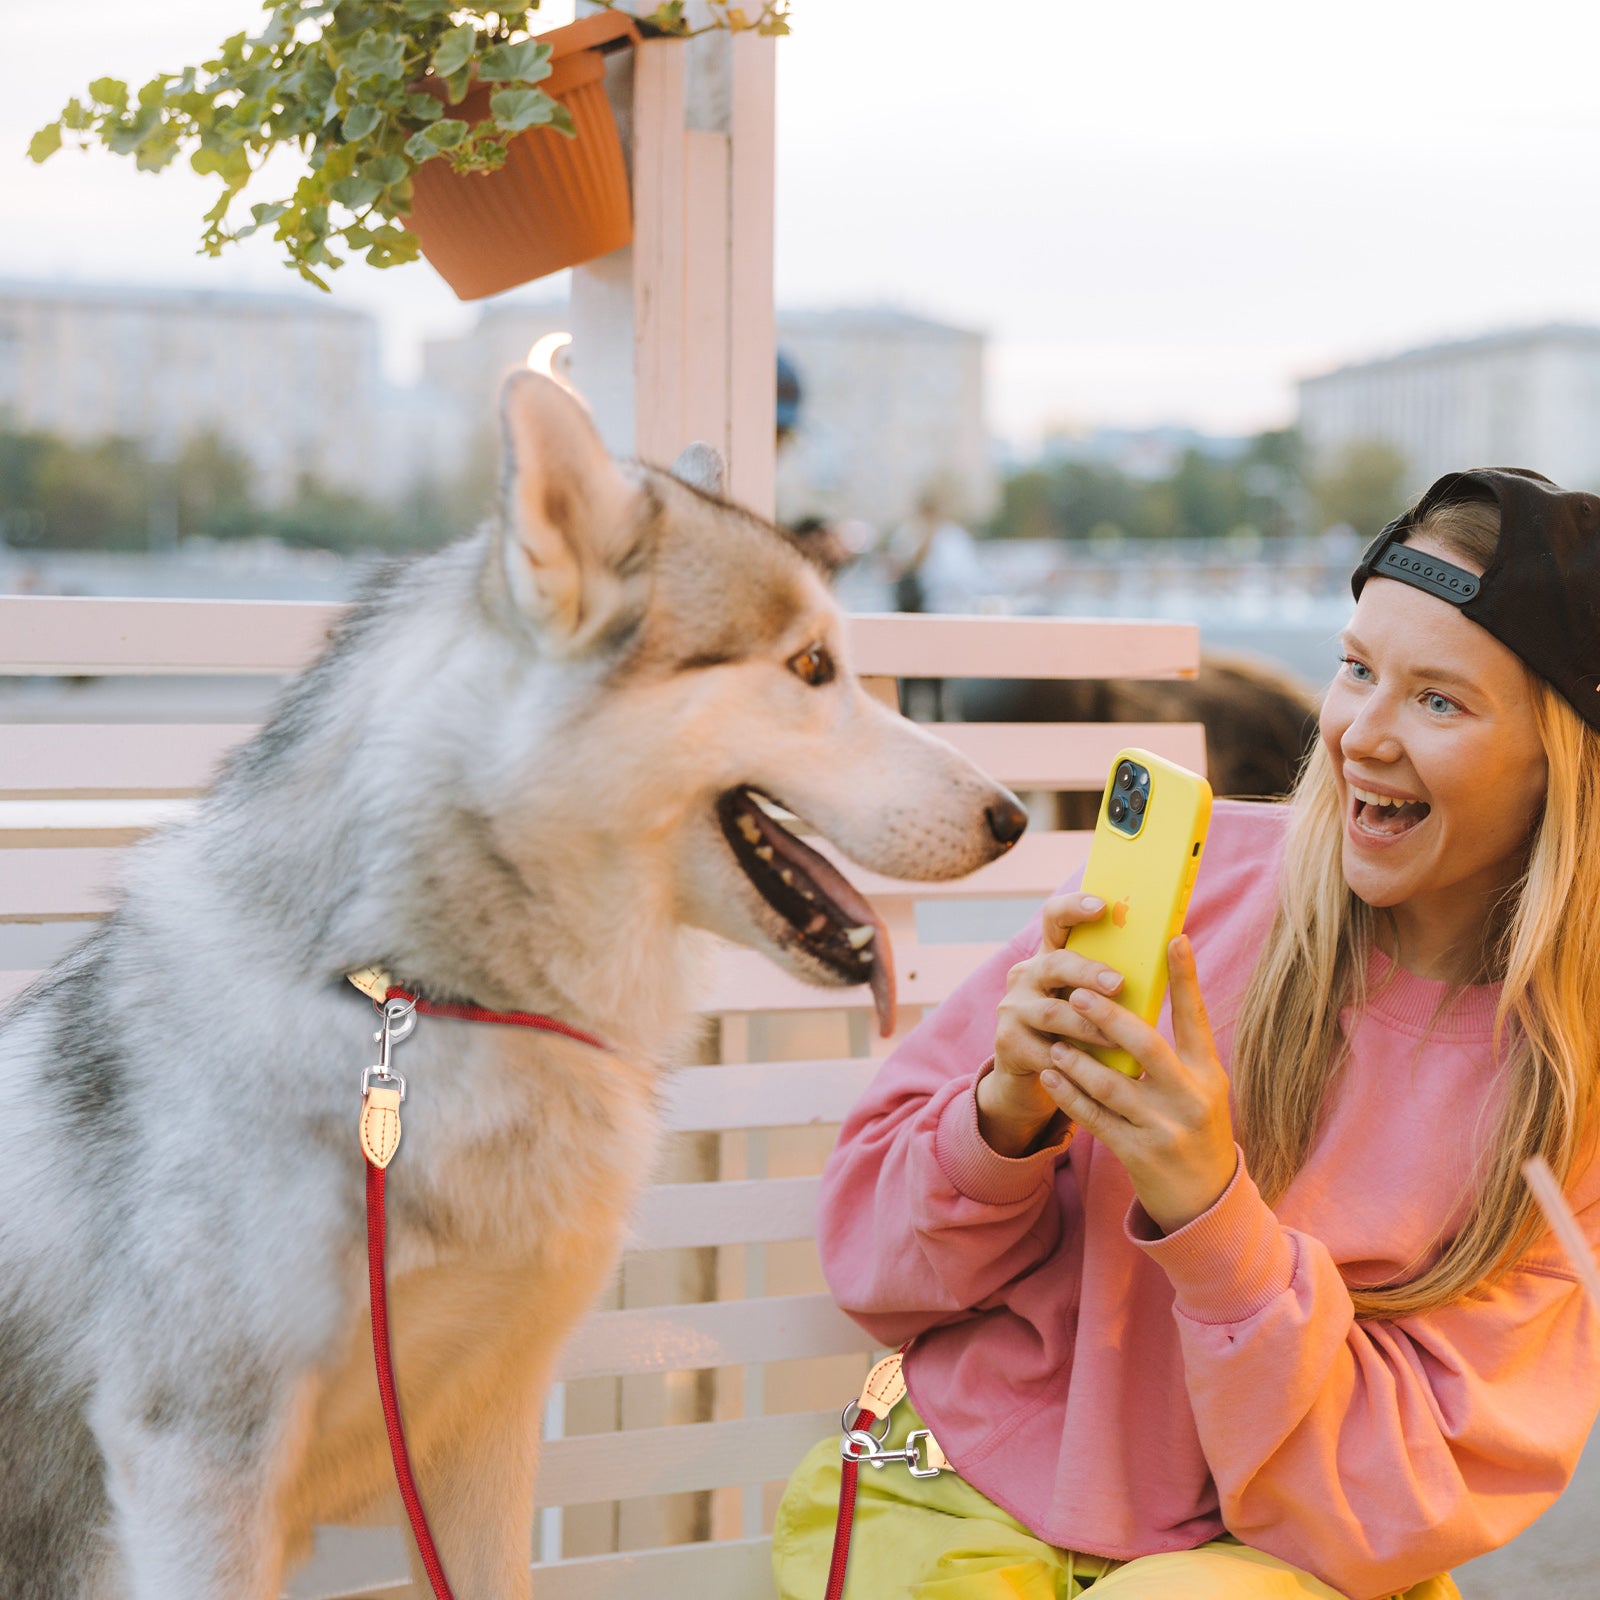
(500, 780)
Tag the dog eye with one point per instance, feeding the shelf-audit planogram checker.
(813, 665)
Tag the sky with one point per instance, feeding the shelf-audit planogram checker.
(1157, 213)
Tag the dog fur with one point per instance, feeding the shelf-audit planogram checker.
(500, 782)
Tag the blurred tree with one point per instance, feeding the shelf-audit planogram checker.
(1026, 508)
(106, 495)
(73, 496)
(213, 480)
(1205, 496)
(1364, 487)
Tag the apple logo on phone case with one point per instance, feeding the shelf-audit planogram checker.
(1119, 913)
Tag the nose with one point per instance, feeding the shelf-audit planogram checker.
(1368, 733)
(1007, 819)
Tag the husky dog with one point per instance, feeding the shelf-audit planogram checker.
(536, 770)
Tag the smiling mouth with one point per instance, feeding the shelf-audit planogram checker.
(1387, 820)
(828, 918)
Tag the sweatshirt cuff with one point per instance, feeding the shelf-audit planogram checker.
(979, 1172)
(1229, 1262)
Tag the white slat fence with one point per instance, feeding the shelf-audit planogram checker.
(792, 1059)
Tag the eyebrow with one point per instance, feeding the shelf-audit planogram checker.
(1436, 674)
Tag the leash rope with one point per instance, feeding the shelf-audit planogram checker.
(382, 1092)
(880, 1394)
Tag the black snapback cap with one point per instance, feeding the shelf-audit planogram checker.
(1539, 596)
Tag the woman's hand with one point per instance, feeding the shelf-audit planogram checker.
(1171, 1128)
(1013, 1107)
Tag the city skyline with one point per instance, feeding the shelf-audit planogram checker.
(1139, 243)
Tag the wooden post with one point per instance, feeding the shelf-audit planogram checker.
(674, 338)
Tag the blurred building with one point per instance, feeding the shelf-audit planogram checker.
(1527, 398)
(468, 368)
(292, 383)
(890, 405)
(1145, 453)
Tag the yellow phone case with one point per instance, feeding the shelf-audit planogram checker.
(1145, 881)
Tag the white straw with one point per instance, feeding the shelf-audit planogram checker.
(1563, 1224)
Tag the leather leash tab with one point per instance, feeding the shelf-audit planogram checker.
(380, 1124)
(885, 1386)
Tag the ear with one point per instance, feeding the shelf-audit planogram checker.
(571, 520)
(701, 467)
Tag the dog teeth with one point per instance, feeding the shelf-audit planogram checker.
(747, 826)
(786, 874)
(860, 936)
(764, 851)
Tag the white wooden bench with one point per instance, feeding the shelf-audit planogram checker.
(782, 1357)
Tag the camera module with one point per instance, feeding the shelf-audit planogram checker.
(1118, 808)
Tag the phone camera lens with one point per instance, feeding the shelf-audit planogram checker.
(1136, 800)
(1118, 808)
(1124, 776)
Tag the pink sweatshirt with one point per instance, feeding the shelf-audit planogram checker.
(1124, 1393)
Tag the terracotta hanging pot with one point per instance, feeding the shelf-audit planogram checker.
(556, 202)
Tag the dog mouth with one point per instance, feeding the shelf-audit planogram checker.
(829, 918)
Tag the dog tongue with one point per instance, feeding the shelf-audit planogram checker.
(851, 904)
(855, 906)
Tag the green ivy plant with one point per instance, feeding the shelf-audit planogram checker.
(342, 82)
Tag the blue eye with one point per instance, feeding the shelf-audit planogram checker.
(1444, 704)
(1352, 663)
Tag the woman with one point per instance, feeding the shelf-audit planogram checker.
(1278, 1317)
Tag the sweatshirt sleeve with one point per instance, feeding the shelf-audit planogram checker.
(920, 1221)
(1374, 1453)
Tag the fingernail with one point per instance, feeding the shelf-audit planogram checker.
(1082, 999)
(1108, 980)
(1059, 1051)
(1051, 1080)
(1093, 903)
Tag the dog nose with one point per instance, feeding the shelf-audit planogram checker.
(1006, 821)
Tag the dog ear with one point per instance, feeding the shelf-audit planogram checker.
(571, 519)
(701, 467)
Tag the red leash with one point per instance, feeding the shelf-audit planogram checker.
(391, 1400)
(880, 1394)
(380, 1138)
(850, 1471)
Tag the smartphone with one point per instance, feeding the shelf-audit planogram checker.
(1143, 861)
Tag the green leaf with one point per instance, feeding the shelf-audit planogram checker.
(45, 142)
(376, 55)
(457, 84)
(361, 121)
(425, 107)
(516, 109)
(561, 121)
(428, 142)
(355, 192)
(386, 169)
(443, 135)
(526, 62)
(421, 10)
(266, 214)
(455, 51)
(110, 92)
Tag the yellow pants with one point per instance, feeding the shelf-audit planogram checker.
(939, 1539)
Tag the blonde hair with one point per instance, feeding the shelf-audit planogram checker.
(1289, 1049)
